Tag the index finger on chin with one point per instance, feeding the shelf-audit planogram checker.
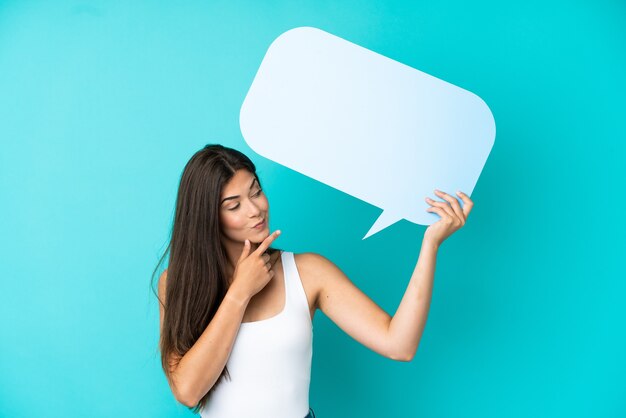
(267, 241)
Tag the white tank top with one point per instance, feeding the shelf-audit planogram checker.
(270, 363)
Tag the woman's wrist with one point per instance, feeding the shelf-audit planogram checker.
(235, 294)
(430, 243)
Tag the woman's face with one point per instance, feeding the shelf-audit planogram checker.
(243, 205)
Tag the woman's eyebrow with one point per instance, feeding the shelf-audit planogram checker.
(235, 197)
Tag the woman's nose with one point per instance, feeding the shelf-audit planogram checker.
(254, 210)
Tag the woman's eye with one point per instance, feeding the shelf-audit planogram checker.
(257, 194)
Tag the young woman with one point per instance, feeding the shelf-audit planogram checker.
(236, 313)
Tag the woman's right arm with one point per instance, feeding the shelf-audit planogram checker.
(198, 370)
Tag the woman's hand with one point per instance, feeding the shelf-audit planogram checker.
(253, 270)
(452, 216)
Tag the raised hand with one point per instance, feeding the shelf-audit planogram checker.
(452, 216)
(253, 270)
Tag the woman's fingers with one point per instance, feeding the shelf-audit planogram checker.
(468, 204)
(438, 211)
(245, 251)
(445, 207)
(454, 203)
(452, 215)
(267, 242)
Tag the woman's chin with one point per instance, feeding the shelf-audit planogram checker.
(258, 236)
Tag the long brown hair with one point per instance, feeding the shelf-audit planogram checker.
(196, 273)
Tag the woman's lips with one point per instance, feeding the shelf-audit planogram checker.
(261, 225)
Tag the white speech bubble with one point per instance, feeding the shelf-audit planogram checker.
(365, 124)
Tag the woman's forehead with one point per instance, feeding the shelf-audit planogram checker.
(242, 180)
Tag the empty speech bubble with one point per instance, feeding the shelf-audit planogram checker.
(367, 125)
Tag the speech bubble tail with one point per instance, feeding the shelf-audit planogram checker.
(384, 220)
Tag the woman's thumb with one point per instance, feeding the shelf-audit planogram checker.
(245, 251)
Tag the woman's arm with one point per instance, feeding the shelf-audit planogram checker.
(354, 312)
(361, 318)
(198, 370)
(408, 323)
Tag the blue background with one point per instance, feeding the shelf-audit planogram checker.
(103, 102)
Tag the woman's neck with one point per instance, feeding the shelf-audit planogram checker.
(233, 253)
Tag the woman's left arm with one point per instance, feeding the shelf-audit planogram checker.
(394, 337)
(407, 325)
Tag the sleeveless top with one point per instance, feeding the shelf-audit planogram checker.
(270, 362)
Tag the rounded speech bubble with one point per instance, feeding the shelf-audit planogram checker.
(367, 125)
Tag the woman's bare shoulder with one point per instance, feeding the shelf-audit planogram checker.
(306, 259)
(311, 268)
(313, 264)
